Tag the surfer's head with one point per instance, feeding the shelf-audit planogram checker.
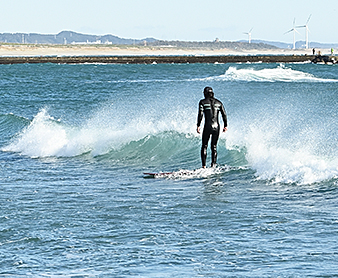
(208, 92)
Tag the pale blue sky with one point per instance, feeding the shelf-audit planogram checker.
(174, 19)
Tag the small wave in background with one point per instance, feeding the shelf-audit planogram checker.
(280, 73)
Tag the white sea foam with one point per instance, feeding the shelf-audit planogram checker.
(278, 156)
(99, 134)
(52, 137)
(280, 73)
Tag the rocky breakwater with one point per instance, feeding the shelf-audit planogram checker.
(325, 59)
(162, 59)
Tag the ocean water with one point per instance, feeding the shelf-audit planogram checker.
(75, 141)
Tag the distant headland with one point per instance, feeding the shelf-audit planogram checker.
(74, 38)
(71, 47)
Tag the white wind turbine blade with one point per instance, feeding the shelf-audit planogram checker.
(307, 31)
(308, 20)
(288, 31)
(293, 28)
(249, 35)
(306, 24)
(294, 33)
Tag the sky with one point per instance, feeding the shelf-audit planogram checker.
(188, 20)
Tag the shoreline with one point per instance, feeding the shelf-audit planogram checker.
(133, 54)
(8, 49)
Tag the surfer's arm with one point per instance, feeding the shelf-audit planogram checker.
(225, 120)
(199, 116)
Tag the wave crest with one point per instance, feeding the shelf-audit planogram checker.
(280, 157)
(99, 135)
(278, 74)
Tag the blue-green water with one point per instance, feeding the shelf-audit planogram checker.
(76, 139)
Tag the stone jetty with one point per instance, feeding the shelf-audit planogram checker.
(169, 59)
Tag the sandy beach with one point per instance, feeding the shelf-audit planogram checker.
(18, 50)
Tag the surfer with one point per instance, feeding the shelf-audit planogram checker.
(210, 107)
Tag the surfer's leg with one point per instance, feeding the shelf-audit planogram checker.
(205, 140)
(214, 140)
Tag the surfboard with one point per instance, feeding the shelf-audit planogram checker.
(157, 175)
(197, 173)
(176, 174)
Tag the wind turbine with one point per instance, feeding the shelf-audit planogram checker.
(249, 35)
(306, 26)
(294, 33)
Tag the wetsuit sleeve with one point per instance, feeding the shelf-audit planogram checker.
(200, 113)
(224, 115)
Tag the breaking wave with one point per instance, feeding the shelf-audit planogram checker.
(279, 74)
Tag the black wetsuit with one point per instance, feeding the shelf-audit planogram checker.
(210, 107)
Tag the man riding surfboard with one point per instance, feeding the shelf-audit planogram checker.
(209, 107)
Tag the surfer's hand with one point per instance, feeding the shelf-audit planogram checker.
(198, 129)
(225, 129)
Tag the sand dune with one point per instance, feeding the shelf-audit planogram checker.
(98, 50)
